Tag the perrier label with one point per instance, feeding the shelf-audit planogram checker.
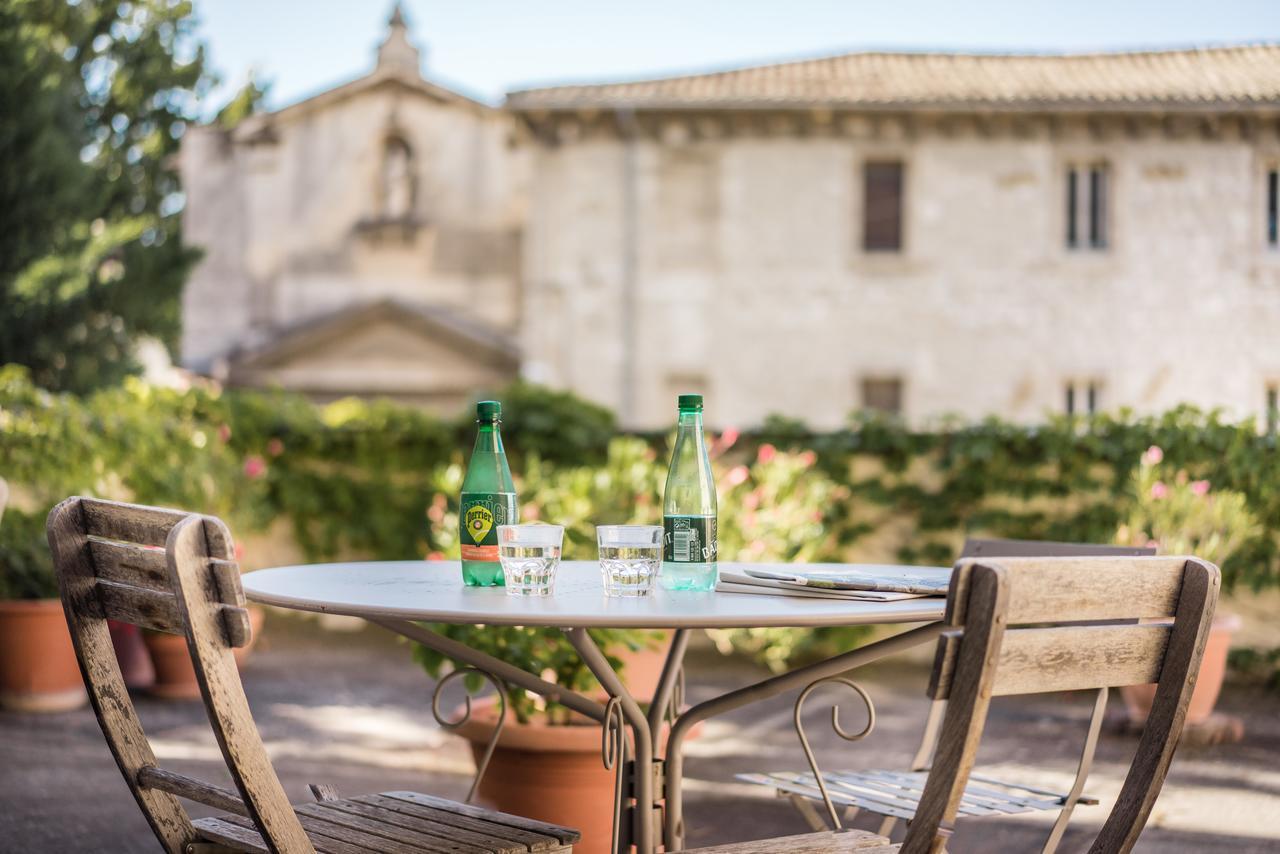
(488, 500)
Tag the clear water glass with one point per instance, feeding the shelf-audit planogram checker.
(529, 555)
(630, 558)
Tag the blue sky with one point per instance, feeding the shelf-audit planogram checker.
(486, 47)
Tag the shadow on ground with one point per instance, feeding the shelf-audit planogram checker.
(352, 710)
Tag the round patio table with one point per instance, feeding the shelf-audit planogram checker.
(401, 595)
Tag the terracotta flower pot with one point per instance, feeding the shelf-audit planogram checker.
(132, 655)
(1213, 668)
(175, 674)
(38, 667)
(257, 618)
(549, 773)
(642, 668)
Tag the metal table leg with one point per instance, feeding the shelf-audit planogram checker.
(673, 828)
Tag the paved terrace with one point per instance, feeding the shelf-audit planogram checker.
(352, 709)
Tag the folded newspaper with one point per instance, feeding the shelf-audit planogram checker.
(870, 583)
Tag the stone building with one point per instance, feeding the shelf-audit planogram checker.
(922, 233)
(362, 241)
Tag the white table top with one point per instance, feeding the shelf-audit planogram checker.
(432, 591)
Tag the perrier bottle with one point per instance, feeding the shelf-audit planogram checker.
(488, 500)
(689, 506)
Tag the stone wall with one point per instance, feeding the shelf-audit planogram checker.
(289, 213)
(750, 284)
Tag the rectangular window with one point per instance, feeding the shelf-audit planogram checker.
(882, 394)
(1087, 225)
(882, 207)
(1089, 394)
(1273, 208)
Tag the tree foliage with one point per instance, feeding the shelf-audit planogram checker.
(94, 97)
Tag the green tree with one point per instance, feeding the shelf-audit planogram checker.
(94, 97)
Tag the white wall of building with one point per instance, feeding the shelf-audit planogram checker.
(752, 287)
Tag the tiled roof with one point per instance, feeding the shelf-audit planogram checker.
(1222, 77)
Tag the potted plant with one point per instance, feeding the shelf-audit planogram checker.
(38, 667)
(547, 763)
(1180, 515)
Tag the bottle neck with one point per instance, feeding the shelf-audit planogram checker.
(489, 437)
(690, 419)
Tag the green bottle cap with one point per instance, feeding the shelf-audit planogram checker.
(488, 410)
(689, 401)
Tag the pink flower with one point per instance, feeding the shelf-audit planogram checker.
(808, 458)
(1159, 490)
(1153, 544)
(1200, 487)
(728, 438)
(224, 433)
(1153, 455)
(239, 551)
(738, 475)
(751, 500)
(254, 467)
(817, 516)
(766, 453)
(532, 512)
(436, 511)
(275, 447)
(435, 556)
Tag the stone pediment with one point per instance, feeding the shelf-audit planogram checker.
(421, 354)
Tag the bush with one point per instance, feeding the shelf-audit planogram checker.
(374, 479)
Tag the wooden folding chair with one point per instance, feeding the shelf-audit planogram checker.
(895, 794)
(175, 572)
(1034, 625)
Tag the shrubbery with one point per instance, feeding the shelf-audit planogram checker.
(380, 480)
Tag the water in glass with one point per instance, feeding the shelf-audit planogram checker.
(529, 555)
(630, 558)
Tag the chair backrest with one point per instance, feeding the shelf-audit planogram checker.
(1031, 625)
(167, 571)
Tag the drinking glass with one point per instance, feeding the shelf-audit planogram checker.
(630, 557)
(529, 555)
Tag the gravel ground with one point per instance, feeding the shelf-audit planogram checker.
(351, 709)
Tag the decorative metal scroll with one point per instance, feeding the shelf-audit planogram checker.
(613, 748)
(483, 764)
(835, 724)
(672, 711)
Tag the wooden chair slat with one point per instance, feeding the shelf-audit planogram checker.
(238, 837)
(531, 840)
(130, 563)
(823, 842)
(140, 606)
(320, 843)
(192, 789)
(1056, 590)
(398, 838)
(133, 523)
(1063, 658)
(335, 829)
(401, 820)
(564, 835)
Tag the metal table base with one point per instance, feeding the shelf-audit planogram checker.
(651, 783)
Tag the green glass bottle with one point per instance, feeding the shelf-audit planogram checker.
(488, 500)
(689, 506)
